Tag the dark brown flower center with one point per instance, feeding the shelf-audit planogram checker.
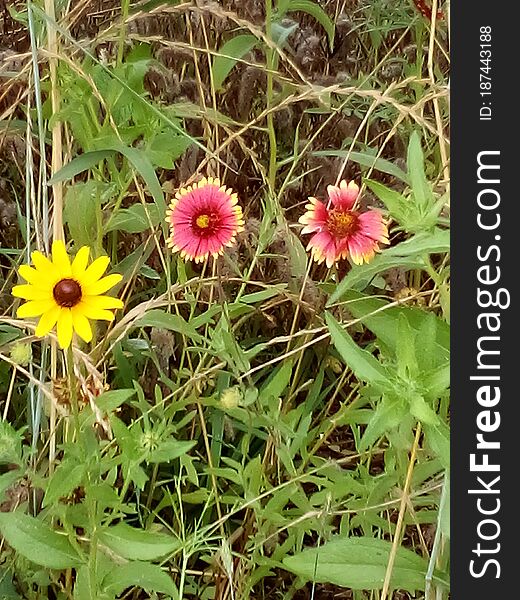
(67, 293)
(205, 223)
(341, 223)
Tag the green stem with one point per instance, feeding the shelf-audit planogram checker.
(271, 57)
(92, 562)
(72, 385)
(125, 6)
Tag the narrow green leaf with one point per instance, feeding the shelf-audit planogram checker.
(370, 161)
(144, 167)
(363, 364)
(420, 187)
(38, 542)
(163, 320)
(359, 564)
(229, 54)
(277, 383)
(138, 544)
(405, 349)
(438, 439)
(82, 212)
(314, 10)
(112, 399)
(169, 450)
(395, 202)
(255, 297)
(360, 276)
(79, 164)
(389, 412)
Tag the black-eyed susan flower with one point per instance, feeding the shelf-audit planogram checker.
(340, 231)
(204, 218)
(65, 294)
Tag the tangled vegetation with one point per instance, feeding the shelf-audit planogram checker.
(224, 289)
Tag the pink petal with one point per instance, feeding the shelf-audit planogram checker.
(343, 196)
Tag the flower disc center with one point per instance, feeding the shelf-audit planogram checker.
(341, 223)
(206, 223)
(203, 221)
(67, 293)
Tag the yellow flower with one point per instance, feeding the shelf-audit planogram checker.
(66, 294)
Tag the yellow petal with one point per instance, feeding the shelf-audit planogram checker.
(45, 268)
(48, 320)
(103, 302)
(34, 308)
(60, 258)
(81, 324)
(95, 271)
(96, 313)
(31, 292)
(79, 264)
(101, 286)
(64, 328)
(32, 276)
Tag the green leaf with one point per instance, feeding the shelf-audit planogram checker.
(8, 334)
(112, 399)
(365, 273)
(438, 439)
(427, 242)
(433, 334)
(229, 54)
(406, 255)
(67, 477)
(422, 411)
(421, 189)
(437, 381)
(169, 450)
(83, 210)
(144, 167)
(138, 544)
(389, 413)
(79, 164)
(405, 349)
(166, 148)
(314, 10)
(444, 509)
(136, 219)
(38, 542)
(277, 383)
(398, 206)
(363, 364)
(146, 576)
(163, 320)
(297, 255)
(7, 589)
(10, 444)
(359, 564)
(255, 297)
(370, 161)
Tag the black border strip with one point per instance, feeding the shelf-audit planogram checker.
(484, 407)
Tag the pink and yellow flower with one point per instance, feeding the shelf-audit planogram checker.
(340, 231)
(204, 218)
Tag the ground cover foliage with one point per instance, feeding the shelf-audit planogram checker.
(255, 425)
